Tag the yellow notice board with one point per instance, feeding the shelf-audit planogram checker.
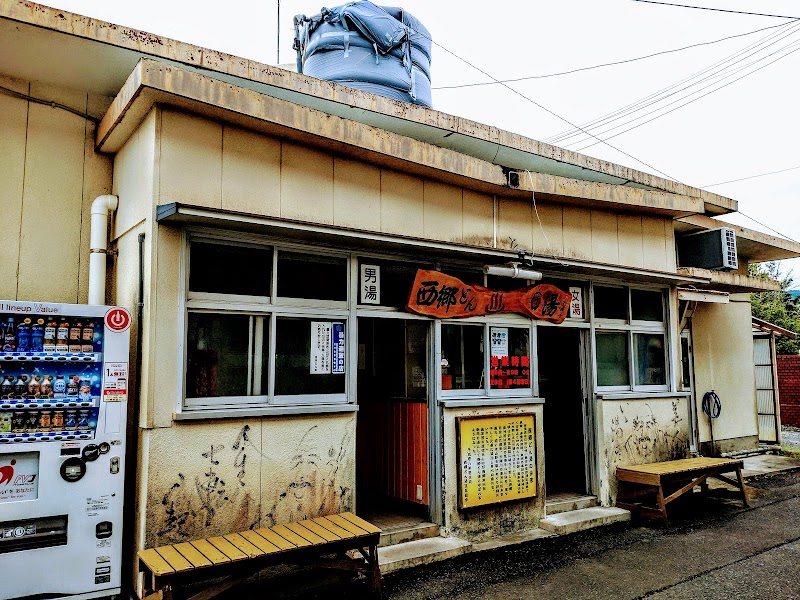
(496, 458)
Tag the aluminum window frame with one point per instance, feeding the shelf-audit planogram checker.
(263, 312)
(487, 392)
(630, 327)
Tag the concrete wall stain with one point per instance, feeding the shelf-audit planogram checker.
(317, 485)
(192, 504)
(638, 434)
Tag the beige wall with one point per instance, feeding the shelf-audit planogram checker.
(723, 362)
(50, 174)
(638, 431)
(219, 476)
(212, 165)
(478, 524)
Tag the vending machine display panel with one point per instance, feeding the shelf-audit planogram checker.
(63, 399)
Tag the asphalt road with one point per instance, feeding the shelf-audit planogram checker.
(713, 549)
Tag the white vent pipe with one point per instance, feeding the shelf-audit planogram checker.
(512, 270)
(98, 246)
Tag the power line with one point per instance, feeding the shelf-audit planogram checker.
(724, 10)
(537, 104)
(708, 73)
(610, 64)
(699, 97)
(750, 177)
(768, 227)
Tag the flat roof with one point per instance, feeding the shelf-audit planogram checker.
(753, 246)
(41, 43)
(153, 82)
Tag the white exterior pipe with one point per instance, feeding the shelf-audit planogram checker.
(98, 247)
(512, 270)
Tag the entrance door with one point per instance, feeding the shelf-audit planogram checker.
(687, 385)
(765, 390)
(561, 385)
(392, 429)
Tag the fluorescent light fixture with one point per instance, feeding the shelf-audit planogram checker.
(512, 271)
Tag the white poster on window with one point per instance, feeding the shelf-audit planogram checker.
(576, 303)
(370, 284)
(499, 341)
(321, 341)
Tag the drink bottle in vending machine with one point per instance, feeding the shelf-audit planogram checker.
(63, 411)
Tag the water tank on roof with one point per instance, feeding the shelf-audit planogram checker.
(378, 49)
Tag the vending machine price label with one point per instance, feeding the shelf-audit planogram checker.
(115, 382)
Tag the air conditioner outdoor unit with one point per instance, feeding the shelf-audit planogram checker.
(712, 249)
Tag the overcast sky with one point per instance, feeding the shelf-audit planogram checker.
(747, 128)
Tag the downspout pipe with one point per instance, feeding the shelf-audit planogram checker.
(102, 206)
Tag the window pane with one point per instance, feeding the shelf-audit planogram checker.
(650, 359)
(612, 358)
(462, 357)
(317, 277)
(686, 373)
(217, 355)
(610, 302)
(227, 269)
(293, 373)
(511, 358)
(647, 305)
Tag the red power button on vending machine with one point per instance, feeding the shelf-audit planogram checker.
(63, 417)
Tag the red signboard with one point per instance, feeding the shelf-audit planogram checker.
(438, 295)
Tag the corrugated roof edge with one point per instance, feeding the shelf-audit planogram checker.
(413, 121)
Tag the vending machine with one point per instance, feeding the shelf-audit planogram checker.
(63, 400)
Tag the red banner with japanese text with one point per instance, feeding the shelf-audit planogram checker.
(438, 295)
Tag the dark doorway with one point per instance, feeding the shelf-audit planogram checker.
(560, 384)
(392, 421)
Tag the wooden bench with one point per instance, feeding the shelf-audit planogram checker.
(671, 479)
(238, 555)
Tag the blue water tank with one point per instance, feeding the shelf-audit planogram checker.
(378, 49)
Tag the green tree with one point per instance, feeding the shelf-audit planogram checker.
(778, 307)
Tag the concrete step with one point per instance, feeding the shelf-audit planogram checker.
(420, 552)
(399, 535)
(585, 518)
(512, 539)
(560, 505)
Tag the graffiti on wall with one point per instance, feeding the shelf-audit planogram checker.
(316, 483)
(638, 432)
(643, 436)
(220, 494)
(193, 503)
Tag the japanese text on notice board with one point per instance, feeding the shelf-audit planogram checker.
(327, 355)
(497, 459)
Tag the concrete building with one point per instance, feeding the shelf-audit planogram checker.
(251, 202)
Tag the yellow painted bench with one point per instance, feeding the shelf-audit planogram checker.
(238, 555)
(671, 479)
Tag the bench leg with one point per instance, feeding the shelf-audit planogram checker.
(375, 571)
(741, 487)
(160, 589)
(662, 506)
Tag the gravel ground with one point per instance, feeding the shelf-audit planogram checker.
(791, 437)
